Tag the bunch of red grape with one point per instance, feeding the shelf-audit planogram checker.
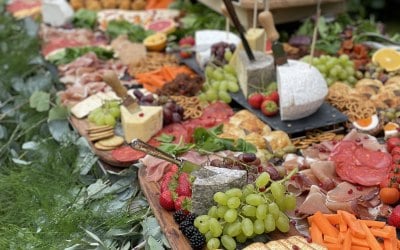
(222, 52)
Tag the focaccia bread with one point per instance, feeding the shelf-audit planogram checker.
(293, 242)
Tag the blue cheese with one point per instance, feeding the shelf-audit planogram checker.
(142, 124)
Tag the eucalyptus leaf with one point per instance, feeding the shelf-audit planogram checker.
(95, 237)
(59, 129)
(40, 101)
(94, 191)
(58, 113)
(3, 132)
(153, 244)
(30, 145)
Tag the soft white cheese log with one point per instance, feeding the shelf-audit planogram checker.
(142, 124)
(302, 89)
(56, 12)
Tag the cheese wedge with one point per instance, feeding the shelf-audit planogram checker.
(142, 124)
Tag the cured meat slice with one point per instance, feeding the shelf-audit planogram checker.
(325, 172)
(293, 161)
(315, 201)
(155, 168)
(359, 165)
(366, 140)
(302, 181)
(346, 192)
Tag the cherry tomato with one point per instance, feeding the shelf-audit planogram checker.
(389, 195)
(392, 143)
(395, 151)
(396, 159)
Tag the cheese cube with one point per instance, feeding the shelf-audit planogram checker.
(257, 39)
(142, 124)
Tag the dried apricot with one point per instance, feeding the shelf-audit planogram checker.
(389, 195)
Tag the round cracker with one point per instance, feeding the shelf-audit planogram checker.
(114, 141)
(99, 146)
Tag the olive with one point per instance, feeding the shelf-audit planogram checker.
(247, 157)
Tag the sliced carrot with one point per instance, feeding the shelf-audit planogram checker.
(372, 242)
(323, 224)
(333, 218)
(342, 224)
(331, 239)
(353, 223)
(373, 223)
(316, 234)
(347, 241)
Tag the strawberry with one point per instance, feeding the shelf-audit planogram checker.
(394, 217)
(255, 100)
(184, 187)
(273, 95)
(166, 181)
(269, 108)
(166, 200)
(173, 168)
(183, 203)
(185, 54)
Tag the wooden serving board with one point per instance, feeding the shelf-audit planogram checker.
(81, 125)
(166, 221)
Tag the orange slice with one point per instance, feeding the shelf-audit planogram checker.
(156, 42)
(387, 58)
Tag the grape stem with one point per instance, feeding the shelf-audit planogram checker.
(287, 177)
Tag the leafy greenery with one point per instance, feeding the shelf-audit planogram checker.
(68, 55)
(54, 194)
(134, 32)
(85, 19)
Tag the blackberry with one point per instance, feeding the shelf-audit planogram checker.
(179, 216)
(189, 231)
(191, 217)
(197, 240)
(184, 224)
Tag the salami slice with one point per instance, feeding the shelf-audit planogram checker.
(359, 165)
(127, 154)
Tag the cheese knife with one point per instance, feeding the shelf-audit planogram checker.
(184, 165)
(111, 78)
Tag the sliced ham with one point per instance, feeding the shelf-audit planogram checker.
(155, 168)
(326, 173)
(302, 182)
(367, 141)
(346, 191)
(293, 161)
(315, 201)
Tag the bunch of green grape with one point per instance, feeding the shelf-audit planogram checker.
(219, 82)
(241, 214)
(107, 114)
(334, 68)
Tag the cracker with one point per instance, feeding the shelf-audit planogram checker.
(100, 128)
(114, 141)
(101, 135)
(99, 146)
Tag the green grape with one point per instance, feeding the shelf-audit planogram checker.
(202, 97)
(223, 86)
(234, 229)
(218, 75)
(254, 199)
(329, 64)
(322, 68)
(249, 211)
(231, 78)
(91, 117)
(262, 180)
(333, 72)
(241, 238)
(352, 79)
(259, 226)
(233, 86)
(109, 119)
(212, 95)
(350, 71)
(230, 215)
(273, 209)
(201, 222)
(228, 55)
(208, 236)
(99, 119)
(234, 192)
(221, 198)
(344, 58)
(269, 223)
(290, 202)
(230, 69)
(224, 96)
(261, 211)
(213, 243)
(221, 211)
(215, 227)
(213, 212)
(343, 75)
(115, 111)
(248, 189)
(112, 103)
(247, 227)
(209, 71)
(283, 224)
(228, 242)
(277, 190)
(215, 85)
(281, 204)
(233, 202)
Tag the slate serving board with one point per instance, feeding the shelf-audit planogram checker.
(325, 116)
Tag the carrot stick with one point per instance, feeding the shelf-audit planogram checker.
(354, 225)
(359, 248)
(316, 234)
(358, 242)
(347, 241)
(341, 237)
(342, 224)
(372, 242)
(332, 246)
(330, 239)
(391, 242)
(333, 218)
(310, 219)
(374, 223)
(150, 88)
(323, 224)
(380, 233)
